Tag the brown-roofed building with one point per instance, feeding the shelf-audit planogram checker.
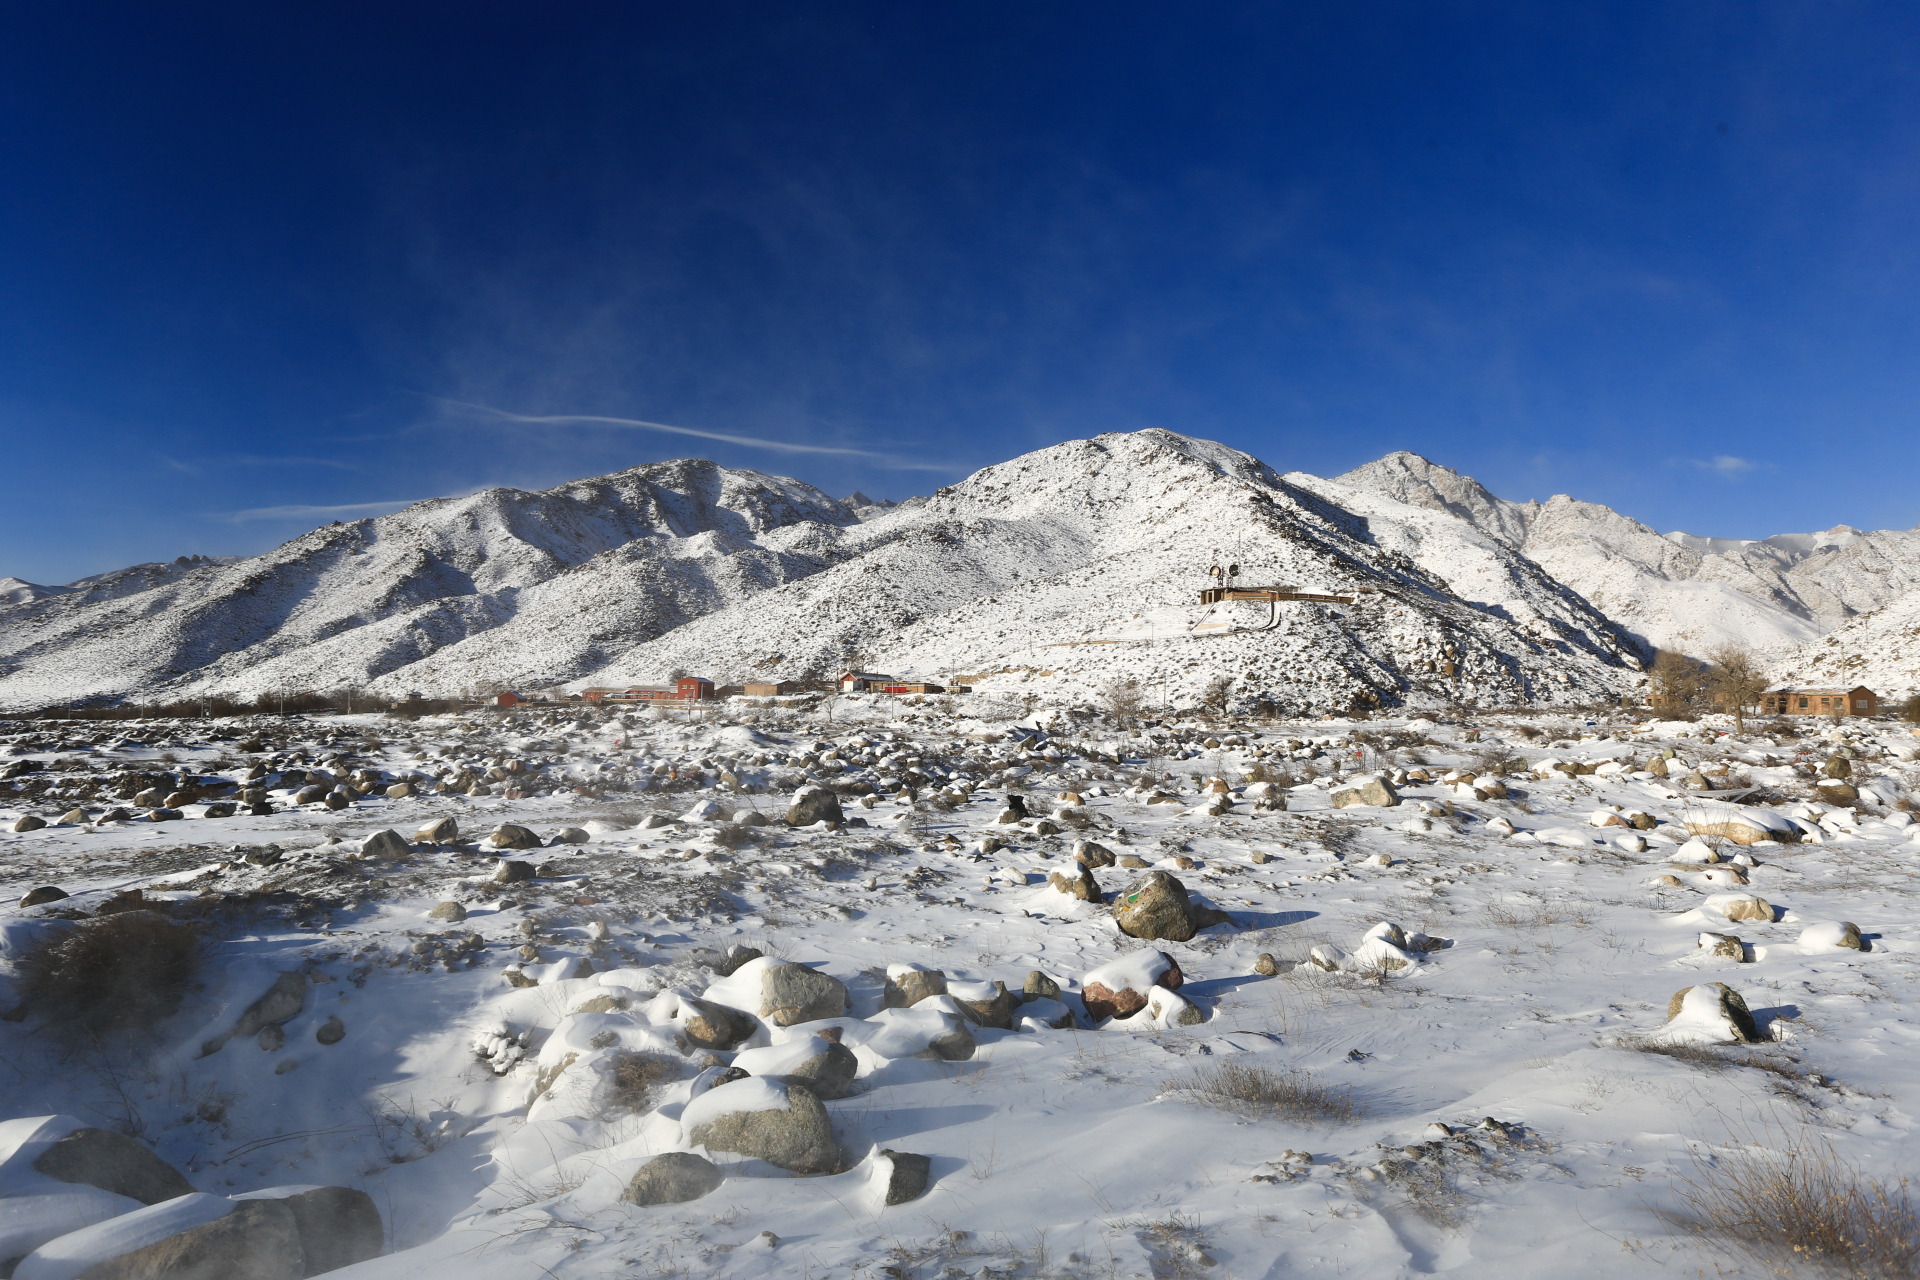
(1788, 701)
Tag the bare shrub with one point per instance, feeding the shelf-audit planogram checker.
(1262, 1091)
(1795, 1199)
(638, 1077)
(115, 973)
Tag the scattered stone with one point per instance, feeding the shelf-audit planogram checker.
(439, 831)
(399, 791)
(1133, 862)
(272, 1038)
(338, 1226)
(1039, 986)
(74, 818)
(1371, 789)
(112, 1162)
(796, 1134)
(385, 844)
(257, 1240)
(908, 985)
(995, 1010)
(44, 894)
(907, 1175)
(1723, 946)
(736, 956)
(332, 1031)
(815, 804)
(1729, 1003)
(1265, 965)
(1078, 883)
(28, 822)
(571, 835)
(509, 836)
(1120, 989)
(673, 1178)
(1156, 908)
(448, 911)
(337, 800)
(513, 871)
(713, 1026)
(1837, 767)
(1841, 935)
(793, 993)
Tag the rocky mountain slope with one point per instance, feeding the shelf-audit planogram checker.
(1880, 650)
(1674, 590)
(1076, 565)
(1067, 569)
(499, 587)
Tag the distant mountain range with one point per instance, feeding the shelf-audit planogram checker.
(1054, 574)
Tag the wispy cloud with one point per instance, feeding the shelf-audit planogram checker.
(318, 513)
(248, 461)
(887, 460)
(1726, 466)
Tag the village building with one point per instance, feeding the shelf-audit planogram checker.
(766, 688)
(685, 689)
(1785, 700)
(874, 682)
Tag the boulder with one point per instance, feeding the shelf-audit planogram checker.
(570, 835)
(820, 1062)
(44, 894)
(985, 1004)
(907, 1175)
(1120, 989)
(908, 985)
(1039, 986)
(332, 1031)
(512, 871)
(1712, 1012)
(439, 831)
(305, 795)
(1133, 862)
(509, 836)
(28, 822)
(1265, 965)
(772, 1120)
(1089, 854)
(713, 1026)
(737, 955)
(219, 1239)
(76, 818)
(398, 791)
(673, 1178)
(112, 1162)
(794, 993)
(286, 998)
(385, 844)
(956, 1044)
(1156, 908)
(812, 805)
(1740, 906)
(337, 799)
(1369, 789)
(1723, 946)
(448, 911)
(219, 809)
(1078, 883)
(337, 1226)
(1834, 791)
(1839, 935)
(1836, 767)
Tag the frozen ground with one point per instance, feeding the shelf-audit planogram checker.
(1073, 1151)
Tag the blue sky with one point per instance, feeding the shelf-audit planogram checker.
(263, 267)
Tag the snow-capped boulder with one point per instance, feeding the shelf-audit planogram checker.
(1120, 989)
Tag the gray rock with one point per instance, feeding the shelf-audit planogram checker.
(1369, 790)
(736, 956)
(955, 1045)
(338, 1226)
(714, 1026)
(112, 1162)
(912, 987)
(1732, 1003)
(1090, 854)
(28, 822)
(797, 1138)
(439, 831)
(995, 1012)
(44, 894)
(512, 871)
(1039, 986)
(259, 1240)
(509, 836)
(1265, 965)
(286, 998)
(830, 1075)
(1078, 883)
(1156, 908)
(908, 1177)
(1837, 767)
(673, 1178)
(272, 1038)
(164, 815)
(385, 844)
(332, 1031)
(448, 911)
(570, 835)
(305, 795)
(78, 817)
(816, 806)
(792, 993)
(654, 821)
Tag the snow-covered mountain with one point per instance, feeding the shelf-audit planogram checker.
(1675, 590)
(1880, 650)
(1056, 572)
(1064, 570)
(500, 587)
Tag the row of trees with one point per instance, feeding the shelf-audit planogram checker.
(1731, 678)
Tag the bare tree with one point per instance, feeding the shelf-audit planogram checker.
(1735, 680)
(1675, 680)
(1219, 692)
(1125, 700)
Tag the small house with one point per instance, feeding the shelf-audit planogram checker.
(508, 700)
(863, 681)
(1786, 700)
(767, 688)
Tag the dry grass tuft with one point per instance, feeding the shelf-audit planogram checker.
(1798, 1203)
(116, 973)
(638, 1077)
(1262, 1091)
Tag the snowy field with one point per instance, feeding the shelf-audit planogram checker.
(1490, 1085)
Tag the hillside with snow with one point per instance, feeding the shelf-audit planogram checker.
(1675, 590)
(1880, 650)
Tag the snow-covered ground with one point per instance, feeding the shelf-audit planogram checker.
(481, 1107)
